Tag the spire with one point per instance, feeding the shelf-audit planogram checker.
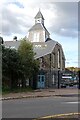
(39, 9)
(39, 18)
(39, 15)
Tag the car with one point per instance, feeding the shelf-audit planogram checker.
(63, 85)
(71, 84)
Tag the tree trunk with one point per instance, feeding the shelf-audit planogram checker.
(23, 83)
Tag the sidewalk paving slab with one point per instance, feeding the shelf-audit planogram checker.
(41, 93)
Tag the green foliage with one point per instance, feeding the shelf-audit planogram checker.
(10, 67)
(17, 90)
(27, 58)
(76, 69)
(0, 69)
(26, 50)
(18, 66)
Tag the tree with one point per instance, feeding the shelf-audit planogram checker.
(29, 64)
(10, 67)
(0, 68)
(19, 65)
(35, 72)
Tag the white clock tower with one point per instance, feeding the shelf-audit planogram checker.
(39, 18)
(38, 32)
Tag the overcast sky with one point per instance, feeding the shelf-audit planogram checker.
(61, 20)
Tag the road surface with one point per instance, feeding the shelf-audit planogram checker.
(38, 107)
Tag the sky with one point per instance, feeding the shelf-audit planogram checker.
(61, 20)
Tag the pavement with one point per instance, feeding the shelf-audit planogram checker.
(62, 92)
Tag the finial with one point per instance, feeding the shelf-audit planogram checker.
(39, 9)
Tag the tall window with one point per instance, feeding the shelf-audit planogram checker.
(53, 80)
(58, 58)
(53, 58)
(36, 37)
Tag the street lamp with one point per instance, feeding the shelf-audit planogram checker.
(79, 80)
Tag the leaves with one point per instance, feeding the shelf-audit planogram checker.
(18, 65)
(27, 58)
(10, 66)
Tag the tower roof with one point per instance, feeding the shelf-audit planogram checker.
(39, 15)
(38, 26)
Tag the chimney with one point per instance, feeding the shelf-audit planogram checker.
(15, 38)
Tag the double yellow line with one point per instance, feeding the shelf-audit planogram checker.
(57, 115)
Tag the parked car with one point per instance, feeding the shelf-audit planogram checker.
(63, 85)
(71, 84)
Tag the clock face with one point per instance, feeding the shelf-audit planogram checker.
(38, 21)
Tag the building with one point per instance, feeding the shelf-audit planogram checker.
(48, 52)
(38, 32)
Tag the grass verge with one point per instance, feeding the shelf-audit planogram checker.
(17, 90)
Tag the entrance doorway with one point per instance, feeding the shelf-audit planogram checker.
(41, 81)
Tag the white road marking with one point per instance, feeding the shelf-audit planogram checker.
(76, 102)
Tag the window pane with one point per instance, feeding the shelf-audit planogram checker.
(42, 78)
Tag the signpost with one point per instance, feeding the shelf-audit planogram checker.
(58, 79)
(79, 80)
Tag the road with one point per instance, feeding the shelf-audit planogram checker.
(38, 107)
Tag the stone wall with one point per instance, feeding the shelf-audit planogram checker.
(49, 63)
(41, 35)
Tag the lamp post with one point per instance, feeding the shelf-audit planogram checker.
(79, 80)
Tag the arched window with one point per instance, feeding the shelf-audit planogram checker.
(36, 37)
(58, 58)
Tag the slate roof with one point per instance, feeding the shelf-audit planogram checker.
(40, 48)
(12, 44)
(46, 48)
(38, 26)
(39, 15)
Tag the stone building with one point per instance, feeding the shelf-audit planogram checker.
(48, 52)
